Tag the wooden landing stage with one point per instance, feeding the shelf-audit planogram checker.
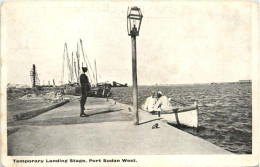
(109, 130)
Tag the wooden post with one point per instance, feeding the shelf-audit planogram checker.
(134, 73)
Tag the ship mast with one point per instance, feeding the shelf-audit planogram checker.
(96, 70)
(69, 66)
(72, 73)
(86, 60)
(74, 64)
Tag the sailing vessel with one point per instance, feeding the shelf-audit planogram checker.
(116, 84)
(73, 67)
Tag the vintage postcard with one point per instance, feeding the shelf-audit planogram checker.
(129, 83)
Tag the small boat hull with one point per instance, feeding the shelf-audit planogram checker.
(187, 118)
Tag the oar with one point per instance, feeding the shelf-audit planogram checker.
(187, 104)
(179, 102)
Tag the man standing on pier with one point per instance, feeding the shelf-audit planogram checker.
(85, 88)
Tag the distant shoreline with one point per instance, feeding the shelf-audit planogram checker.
(212, 83)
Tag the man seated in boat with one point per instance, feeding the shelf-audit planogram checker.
(150, 102)
(163, 104)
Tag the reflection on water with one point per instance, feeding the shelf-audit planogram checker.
(225, 112)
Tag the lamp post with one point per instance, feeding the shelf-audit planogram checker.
(134, 20)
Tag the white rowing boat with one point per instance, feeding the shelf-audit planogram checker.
(187, 116)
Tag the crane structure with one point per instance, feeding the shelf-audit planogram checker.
(34, 77)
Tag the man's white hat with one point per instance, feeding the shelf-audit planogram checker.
(84, 66)
(160, 92)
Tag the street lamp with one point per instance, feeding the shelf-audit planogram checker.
(134, 20)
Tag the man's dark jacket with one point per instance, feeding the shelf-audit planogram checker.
(84, 82)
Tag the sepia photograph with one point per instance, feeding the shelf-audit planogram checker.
(131, 83)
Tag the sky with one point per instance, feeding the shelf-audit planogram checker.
(179, 43)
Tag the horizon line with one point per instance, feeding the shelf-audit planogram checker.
(165, 84)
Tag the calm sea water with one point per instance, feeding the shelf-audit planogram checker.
(225, 115)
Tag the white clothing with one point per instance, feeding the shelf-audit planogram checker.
(163, 104)
(149, 104)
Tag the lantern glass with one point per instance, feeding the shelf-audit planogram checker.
(134, 20)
